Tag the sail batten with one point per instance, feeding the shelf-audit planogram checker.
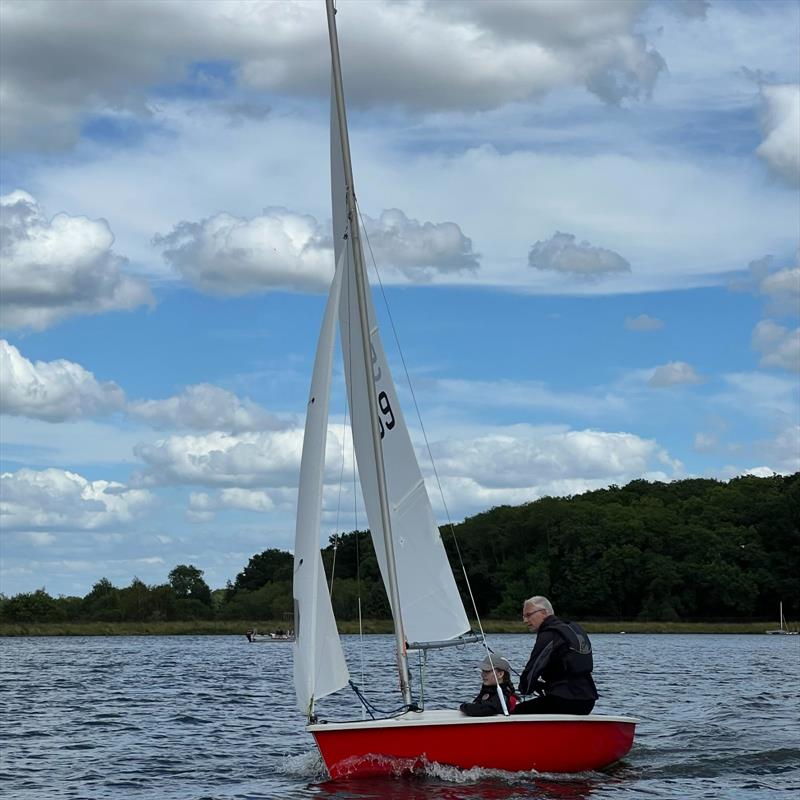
(409, 495)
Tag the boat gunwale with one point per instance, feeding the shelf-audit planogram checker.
(445, 717)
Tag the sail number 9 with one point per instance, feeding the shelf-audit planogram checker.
(386, 410)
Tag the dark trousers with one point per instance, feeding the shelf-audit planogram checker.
(554, 705)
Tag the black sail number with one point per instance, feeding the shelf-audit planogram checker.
(386, 414)
(376, 369)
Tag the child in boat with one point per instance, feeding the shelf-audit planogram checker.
(495, 671)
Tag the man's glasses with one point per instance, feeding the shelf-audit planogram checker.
(529, 614)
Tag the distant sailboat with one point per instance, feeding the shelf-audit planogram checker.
(274, 636)
(425, 603)
(784, 628)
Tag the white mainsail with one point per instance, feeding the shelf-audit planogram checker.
(430, 603)
(319, 664)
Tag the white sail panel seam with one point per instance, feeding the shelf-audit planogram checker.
(409, 495)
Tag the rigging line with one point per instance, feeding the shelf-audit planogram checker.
(371, 707)
(422, 428)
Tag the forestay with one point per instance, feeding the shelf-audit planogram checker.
(319, 665)
(431, 607)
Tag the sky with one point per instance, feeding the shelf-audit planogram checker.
(583, 220)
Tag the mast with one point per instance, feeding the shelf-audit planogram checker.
(361, 292)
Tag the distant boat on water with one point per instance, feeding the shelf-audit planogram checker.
(274, 636)
(784, 628)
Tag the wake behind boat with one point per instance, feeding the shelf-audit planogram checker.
(426, 606)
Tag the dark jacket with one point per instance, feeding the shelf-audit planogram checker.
(487, 703)
(561, 662)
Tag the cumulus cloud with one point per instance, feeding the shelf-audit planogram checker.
(416, 249)
(757, 271)
(206, 408)
(52, 390)
(462, 55)
(783, 289)
(59, 268)
(673, 373)
(519, 463)
(779, 346)
(779, 286)
(507, 460)
(226, 255)
(630, 73)
(59, 500)
(781, 127)
(62, 60)
(561, 253)
(756, 472)
(524, 49)
(202, 506)
(221, 459)
(643, 323)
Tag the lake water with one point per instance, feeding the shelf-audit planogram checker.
(202, 717)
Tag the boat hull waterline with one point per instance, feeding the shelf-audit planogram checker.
(540, 743)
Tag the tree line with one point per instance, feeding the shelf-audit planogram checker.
(690, 549)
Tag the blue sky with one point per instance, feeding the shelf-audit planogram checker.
(585, 215)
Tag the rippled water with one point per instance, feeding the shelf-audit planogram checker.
(185, 718)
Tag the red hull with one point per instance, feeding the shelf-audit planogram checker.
(552, 743)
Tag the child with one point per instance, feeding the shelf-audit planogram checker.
(495, 671)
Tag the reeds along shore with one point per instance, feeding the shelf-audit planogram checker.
(370, 626)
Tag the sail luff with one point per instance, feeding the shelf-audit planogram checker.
(361, 294)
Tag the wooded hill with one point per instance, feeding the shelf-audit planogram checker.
(691, 549)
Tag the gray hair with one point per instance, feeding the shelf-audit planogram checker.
(540, 602)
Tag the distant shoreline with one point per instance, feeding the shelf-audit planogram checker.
(372, 626)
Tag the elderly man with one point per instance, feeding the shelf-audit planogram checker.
(560, 666)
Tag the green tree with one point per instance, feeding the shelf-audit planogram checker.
(187, 583)
(142, 603)
(36, 606)
(103, 603)
(273, 601)
(271, 565)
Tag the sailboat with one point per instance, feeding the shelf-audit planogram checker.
(426, 607)
(783, 630)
